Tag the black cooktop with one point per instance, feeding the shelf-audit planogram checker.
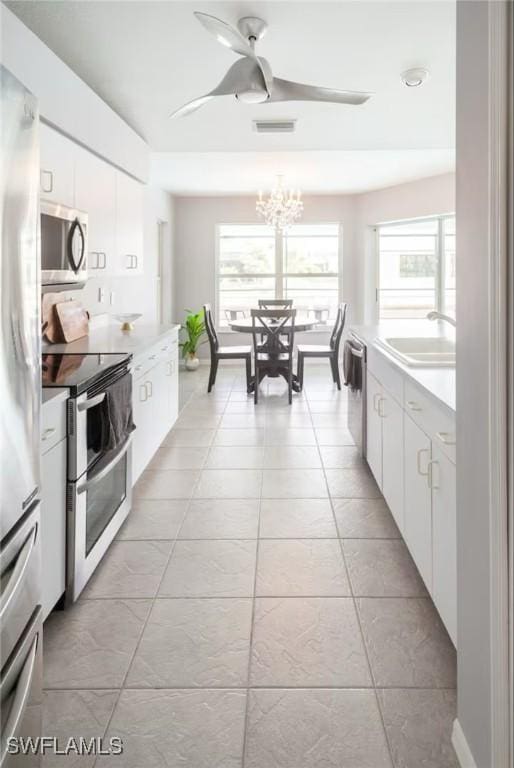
(80, 372)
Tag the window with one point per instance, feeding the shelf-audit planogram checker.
(416, 268)
(255, 262)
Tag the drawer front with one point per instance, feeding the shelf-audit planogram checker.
(436, 420)
(53, 426)
(387, 374)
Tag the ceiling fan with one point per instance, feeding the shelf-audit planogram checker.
(250, 79)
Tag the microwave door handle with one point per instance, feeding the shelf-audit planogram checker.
(21, 695)
(105, 470)
(92, 402)
(76, 225)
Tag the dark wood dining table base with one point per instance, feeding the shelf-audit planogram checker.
(273, 369)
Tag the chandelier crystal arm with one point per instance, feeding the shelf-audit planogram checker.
(282, 208)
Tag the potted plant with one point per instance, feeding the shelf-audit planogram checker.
(195, 329)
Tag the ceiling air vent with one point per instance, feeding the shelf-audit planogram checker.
(274, 126)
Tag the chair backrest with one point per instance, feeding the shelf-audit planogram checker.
(275, 303)
(211, 330)
(278, 326)
(337, 330)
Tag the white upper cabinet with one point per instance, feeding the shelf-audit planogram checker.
(57, 167)
(95, 193)
(129, 224)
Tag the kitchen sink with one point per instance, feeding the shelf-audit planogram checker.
(421, 352)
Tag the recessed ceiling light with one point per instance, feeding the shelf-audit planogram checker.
(413, 78)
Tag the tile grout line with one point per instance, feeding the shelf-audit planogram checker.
(152, 603)
(350, 586)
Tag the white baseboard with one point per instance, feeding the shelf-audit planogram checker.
(461, 747)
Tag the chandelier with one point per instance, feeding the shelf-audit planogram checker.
(282, 208)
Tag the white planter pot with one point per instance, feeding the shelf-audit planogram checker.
(192, 363)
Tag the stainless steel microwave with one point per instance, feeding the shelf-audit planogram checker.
(63, 245)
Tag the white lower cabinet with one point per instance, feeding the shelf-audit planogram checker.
(391, 415)
(411, 452)
(53, 525)
(154, 401)
(374, 428)
(418, 498)
(444, 535)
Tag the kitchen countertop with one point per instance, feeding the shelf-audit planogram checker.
(438, 382)
(110, 339)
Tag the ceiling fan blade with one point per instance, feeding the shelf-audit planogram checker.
(225, 34)
(243, 76)
(286, 90)
(192, 106)
(233, 39)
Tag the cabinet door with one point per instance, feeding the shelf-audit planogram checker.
(95, 193)
(418, 498)
(129, 224)
(140, 414)
(53, 525)
(374, 427)
(392, 455)
(57, 167)
(444, 526)
(173, 387)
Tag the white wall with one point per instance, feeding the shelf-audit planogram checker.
(195, 238)
(195, 246)
(425, 197)
(66, 101)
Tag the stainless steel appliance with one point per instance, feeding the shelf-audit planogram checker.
(99, 488)
(357, 393)
(20, 579)
(63, 246)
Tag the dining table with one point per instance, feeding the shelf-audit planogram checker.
(271, 346)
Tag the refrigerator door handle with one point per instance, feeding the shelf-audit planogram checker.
(18, 573)
(20, 699)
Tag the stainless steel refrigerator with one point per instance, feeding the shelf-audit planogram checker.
(20, 383)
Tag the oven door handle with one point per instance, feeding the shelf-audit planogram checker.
(87, 404)
(357, 353)
(105, 470)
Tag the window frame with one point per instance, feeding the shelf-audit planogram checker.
(439, 285)
(279, 273)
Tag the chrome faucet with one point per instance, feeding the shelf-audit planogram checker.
(440, 316)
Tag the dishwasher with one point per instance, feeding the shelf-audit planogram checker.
(357, 393)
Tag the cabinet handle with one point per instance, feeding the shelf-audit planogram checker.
(418, 461)
(138, 367)
(149, 387)
(412, 405)
(152, 357)
(447, 438)
(377, 394)
(132, 264)
(430, 475)
(379, 409)
(104, 260)
(142, 388)
(170, 367)
(47, 433)
(50, 186)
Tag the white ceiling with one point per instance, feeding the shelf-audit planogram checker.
(147, 58)
(349, 172)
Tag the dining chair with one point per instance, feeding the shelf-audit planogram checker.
(275, 355)
(275, 303)
(331, 351)
(225, 353)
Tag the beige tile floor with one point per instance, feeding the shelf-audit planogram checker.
(259, 607)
